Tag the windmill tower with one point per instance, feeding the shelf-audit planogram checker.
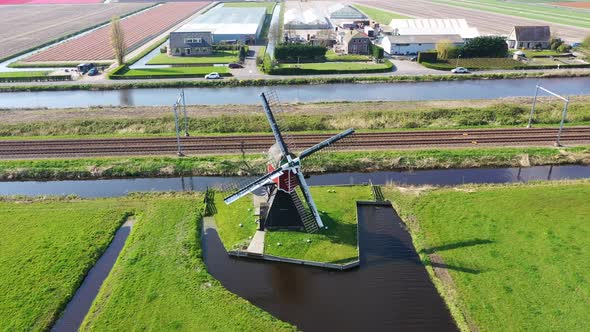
(284, 208)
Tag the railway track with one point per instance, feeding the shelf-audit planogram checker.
(12, 149)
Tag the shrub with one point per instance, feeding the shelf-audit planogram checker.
(427, 57)
(164, 49)
(586, 42)
(555, 43)
(299, 52)
(377, 51)
(260, 55)
(485, 47)
(564, 48)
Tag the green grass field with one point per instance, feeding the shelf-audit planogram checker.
(475, 63)
(379, 15)
(332, 56)
(173, 72)
(219, 57)
(337, 244)
(24, 74)
(46, 249)
(516, 253)
(160, 281)
(533, 11)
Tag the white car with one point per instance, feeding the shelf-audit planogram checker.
(213, 76)
(460, 70)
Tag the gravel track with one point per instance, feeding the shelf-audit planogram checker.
(486, 22)
(260, 143)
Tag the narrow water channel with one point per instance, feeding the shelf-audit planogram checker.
(80, 304)
(390, 290)
(452, 90)
(121, 187)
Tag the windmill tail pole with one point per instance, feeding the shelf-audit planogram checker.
(326, 143)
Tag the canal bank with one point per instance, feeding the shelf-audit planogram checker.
(438, 88)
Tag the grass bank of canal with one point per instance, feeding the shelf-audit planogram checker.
(236, 165)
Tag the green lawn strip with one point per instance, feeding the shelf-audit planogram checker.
(476, 63)
(379, 15)
(541, 53)
(161, 274)
(531, 11)
(173, 72)
(11, 74)
(380, 118)
(338, 243)
(329, 67)
(345, 161)
(334, 57)
(46, 249)
(229, 217)
(514, 251)
(219, 57)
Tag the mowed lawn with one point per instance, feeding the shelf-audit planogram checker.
(517, 254)
(24, 74)
(337, 66)
(174, 72)
(577, 18)
(219, 57)
(379, 15)
(336, 244)
(46, 249)
(159, 282)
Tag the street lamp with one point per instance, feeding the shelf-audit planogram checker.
(458, 56)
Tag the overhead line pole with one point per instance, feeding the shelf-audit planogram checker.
(563, 114)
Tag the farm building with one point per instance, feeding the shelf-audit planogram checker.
(190, 43)
(411, 27)
(356, 43)
(405, 45)
(529, 37)
(229, 23)
(305, 20)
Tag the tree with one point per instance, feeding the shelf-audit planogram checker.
(586, 42)
(118, 40)
(446, 49)
(485, 47)
(377, 52)
(555, 42)
(564, 48)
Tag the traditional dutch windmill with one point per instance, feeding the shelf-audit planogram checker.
(284, 209)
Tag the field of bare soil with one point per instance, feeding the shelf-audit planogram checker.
(25, 26)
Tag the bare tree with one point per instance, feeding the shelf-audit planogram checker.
(118, 40)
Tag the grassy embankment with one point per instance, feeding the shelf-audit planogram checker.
(379, 15)
(336, 244)
(226, 165)
(504, 63)
(173, 72)
(331, 67)
(160, 270)
(218, 57)
(29, 76)
(514, 252)
(554, 14)
(307, 117)
(293, 81)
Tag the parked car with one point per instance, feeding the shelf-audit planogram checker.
(235, 65)
(414, 58)
(85, 67)
(213, 76)
(93, 72)
(460, 70)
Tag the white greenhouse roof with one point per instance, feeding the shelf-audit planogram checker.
(295, 16)
(228, 20)
(433, 27)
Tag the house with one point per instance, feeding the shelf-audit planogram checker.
(413, 44)
(357, 43)
(191, 43)
(529, 37)
(410, 27)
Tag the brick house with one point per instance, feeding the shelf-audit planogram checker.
(357, 43)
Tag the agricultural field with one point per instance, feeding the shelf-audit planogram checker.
(47, 2)
(160, 270)
(219, 57)
(507, 268)
(527, 10)
(381, 16)
(23, 27)
(487, 22)
(337, 244)
(581, 5)
(138, 29)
